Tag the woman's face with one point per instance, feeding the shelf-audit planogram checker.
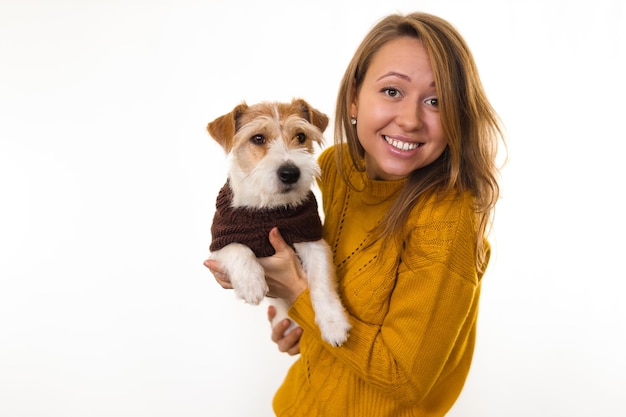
(398, 121)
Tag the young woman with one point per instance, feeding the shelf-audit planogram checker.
(408, 193)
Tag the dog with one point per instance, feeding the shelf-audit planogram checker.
(272, 167)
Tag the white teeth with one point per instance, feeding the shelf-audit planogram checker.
(403, 146)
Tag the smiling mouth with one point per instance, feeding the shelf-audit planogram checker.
(403, 146)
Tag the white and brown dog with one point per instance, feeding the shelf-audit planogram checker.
(272, 170)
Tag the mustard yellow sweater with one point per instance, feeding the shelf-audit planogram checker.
(413, 311)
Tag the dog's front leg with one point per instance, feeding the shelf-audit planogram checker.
(330, 315)
(244, 272)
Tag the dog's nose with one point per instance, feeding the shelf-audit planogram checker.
(289, 174)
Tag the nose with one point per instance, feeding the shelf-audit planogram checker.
(409, 116)
(289, 173)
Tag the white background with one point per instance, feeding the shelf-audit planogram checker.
(108, 180)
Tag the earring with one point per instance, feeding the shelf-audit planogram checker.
(353, 121)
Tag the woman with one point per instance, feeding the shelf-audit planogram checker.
(408, 193)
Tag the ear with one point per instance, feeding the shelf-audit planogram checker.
(354, 109)
(354, 106)
(223, 128)
(312, 115)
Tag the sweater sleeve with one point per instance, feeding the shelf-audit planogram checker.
(432, 310)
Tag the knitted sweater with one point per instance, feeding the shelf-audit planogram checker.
(251, 227)
(413, 311)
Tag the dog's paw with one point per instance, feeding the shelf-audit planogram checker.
(246, 274)
(252, 290)
(334, 328)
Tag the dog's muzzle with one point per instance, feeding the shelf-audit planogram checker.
(288, 174)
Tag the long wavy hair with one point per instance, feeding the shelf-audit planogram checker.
(471, 125)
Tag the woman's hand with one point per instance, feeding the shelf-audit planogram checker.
(288, 343)
(283, 271)
(286, 279)
(218, 272)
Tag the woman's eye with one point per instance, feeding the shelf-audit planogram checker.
(433, 102)
(300, 137)
(257, 139)
(391, 92)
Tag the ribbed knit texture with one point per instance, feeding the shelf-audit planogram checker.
(413, 310)
(251, 227)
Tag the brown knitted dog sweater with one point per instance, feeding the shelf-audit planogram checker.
(251, 226)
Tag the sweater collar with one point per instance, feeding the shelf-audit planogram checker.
(376, 191)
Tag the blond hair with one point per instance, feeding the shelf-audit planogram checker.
(469, 123)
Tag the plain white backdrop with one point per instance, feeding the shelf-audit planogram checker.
(108, 180)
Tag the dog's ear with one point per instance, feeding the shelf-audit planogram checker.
(312, 115)
(223, 128)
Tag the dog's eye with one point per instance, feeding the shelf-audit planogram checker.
(300, 137)
(257, 139)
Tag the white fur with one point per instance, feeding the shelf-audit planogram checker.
(329, 313)
(244, 272)
(260, 187)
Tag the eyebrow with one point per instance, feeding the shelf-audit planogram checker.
(395, 74)
(400, 75)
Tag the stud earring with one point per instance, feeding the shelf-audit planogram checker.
(353, 121)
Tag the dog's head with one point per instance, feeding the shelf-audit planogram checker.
(271, 147)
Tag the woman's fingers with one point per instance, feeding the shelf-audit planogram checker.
(271, 313)
(219, 273)
(277, 241)
(288, 343)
